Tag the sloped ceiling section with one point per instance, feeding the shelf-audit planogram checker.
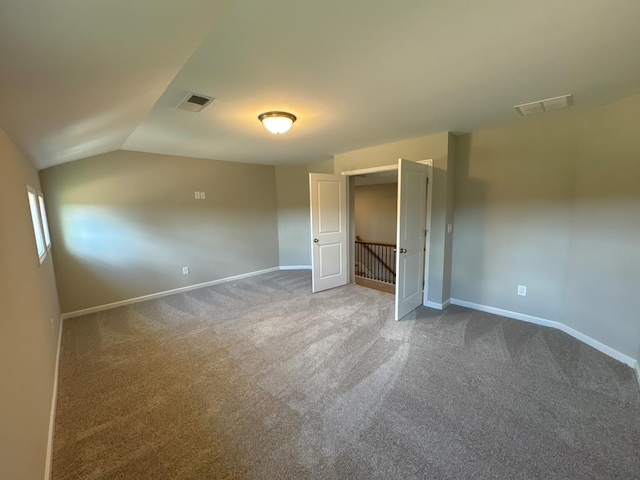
(363, 73)
(82, 77)
(78, 76)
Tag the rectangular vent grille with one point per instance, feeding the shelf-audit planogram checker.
(546, 105)
(195, 102)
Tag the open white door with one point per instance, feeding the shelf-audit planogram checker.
(410, 244)
(328, 230)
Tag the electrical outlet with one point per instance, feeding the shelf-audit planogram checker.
(449, 227)
(522, 290)
(202, 196)
(185, 270)
(197, 195)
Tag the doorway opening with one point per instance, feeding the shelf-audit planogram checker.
(333, 232)
(375, 199)
(413, 230)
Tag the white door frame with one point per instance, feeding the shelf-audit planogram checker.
(351, 219)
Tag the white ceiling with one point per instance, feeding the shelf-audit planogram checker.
(77, 76)
(81, 78)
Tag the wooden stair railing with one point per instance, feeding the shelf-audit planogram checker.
(375, 255)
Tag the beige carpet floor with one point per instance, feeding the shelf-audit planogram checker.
(262, 379)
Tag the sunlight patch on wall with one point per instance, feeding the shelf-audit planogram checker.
(99, 234)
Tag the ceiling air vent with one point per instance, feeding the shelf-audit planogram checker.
(546, 105)
(195, 102)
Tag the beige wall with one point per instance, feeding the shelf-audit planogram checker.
(376, 212)
(323, 166)
(434, 147)
(28, 343)
(448, 245)
(294, 223)
(294, 230)
(125, 223)
(554, 204)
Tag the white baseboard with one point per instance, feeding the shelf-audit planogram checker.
(621, 357)
(109, 306)
(54, 404)
(295, 267)
(637, 368)
(437, 306)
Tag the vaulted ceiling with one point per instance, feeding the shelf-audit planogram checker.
(81, 78)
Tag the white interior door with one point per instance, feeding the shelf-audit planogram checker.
(412, 189)
(328, 230)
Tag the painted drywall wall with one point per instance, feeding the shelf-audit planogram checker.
(603, 267)
(434, 147)
(376, 212)
(28, 343)
(294, 231)
(554, 204)
(294, 222)
(125, 223)
(321, 166)
(449, 220)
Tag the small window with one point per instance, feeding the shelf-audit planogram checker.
(39, 221)
(43, 218)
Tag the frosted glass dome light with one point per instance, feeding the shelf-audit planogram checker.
(277, 122)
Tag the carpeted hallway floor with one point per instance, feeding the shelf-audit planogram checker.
(262, 379)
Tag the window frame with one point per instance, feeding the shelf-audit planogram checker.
(41, 234)
(44, 221)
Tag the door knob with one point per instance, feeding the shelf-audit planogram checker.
(403, 250)
(315, 240)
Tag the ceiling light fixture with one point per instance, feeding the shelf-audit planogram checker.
(277, 122)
